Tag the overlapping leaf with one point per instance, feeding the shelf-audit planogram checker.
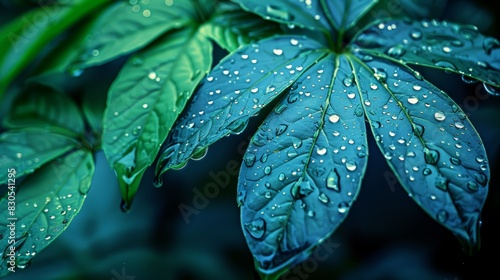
(344, 14)
(232, 27)
(26, 35)
(236, 89)
(307, 14)
(303, 167)
(449, 46)
(130, 25)
(146, 98)
(429, 143)
(46, 201)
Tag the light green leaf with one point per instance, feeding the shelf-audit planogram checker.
(448, 46)
(44, 107)
(429, 143)
(232, 27)
(45, 204)
(146, 98)
(28, 149)
(29, 33)
(130, 25)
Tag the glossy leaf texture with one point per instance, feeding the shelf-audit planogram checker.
(448, 46)
(129, 25)
(428, 142)
(29, 33)
(47, 201)
(44, 107)
(28, 149)
(304, 166)
(236, 89)
(306, 14)
(144, 101)
(232, 27)
(345, 13)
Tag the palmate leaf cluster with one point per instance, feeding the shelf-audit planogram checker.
(333, 80)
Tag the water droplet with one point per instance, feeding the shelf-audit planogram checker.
(343, 207)
(334, 118)
(280, 108)
(321, 151)
(281, 177)
(439, 116)
(380, 74)
(446, 64)
(323, 198)
(373, 86)
(468, 80)
(416, 34)
(256, 228)
(447, 49)
(249, 159)
(278, 51)
(351, 165)
(426, 171)
(489, 44)
(347, 81)
(441, 183)
(480, 159)
(472, 186)
(481, 178)
(267, 195)
(455, 161)
(431, 156)
(281, 129)
(442, 216)
(413, 100)
(491, 89)
(417, 87)
(254, 90)
(396, 51)
(333, 180)
(297, 143)
(294, 42)
(267, 170)
(310, 213)
(358, 111)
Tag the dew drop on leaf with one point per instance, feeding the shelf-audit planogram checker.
(256, 228)
(342, 207)
(333, 180)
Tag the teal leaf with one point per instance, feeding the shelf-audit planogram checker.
(345, 13)
(232, 27)
(306, 14)
(303, 168)
(28, 149)
(23, 38)
(428, 142)
(144, 101)
(44, 107)
(130, 25)
(448, 46)
(46, 203)
(236, 89)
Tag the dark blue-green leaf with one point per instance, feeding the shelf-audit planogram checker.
(345, 13)
(448, 46)
(303, 168)
(28, 149)
(428, 142)
(130, 25)
(144, 101)
(307, 14)
(46, 203)
(232, 27)
(44, 107)
(236, 89)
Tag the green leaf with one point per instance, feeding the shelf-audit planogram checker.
(29, 33)
(28, 149)
(428, 142)
(93, 106)
(236, 89)
(448, 46)
(146, 98)
(303, 168)
(306, 14)
(45, 204)
(130, 25)
(44, 107)
(232, 27)
(345, 13)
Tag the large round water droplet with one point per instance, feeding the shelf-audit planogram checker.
(333, 180)
(351, 165)
(256, 228)
(342, 207)
(413, 100)
(439, 116)
(431, 156)
(267, 170)
(380, 74)
(334, 118)
(278, 51)
(397, 51)
(416, 34)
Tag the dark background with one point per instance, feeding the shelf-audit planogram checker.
(386, 235)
